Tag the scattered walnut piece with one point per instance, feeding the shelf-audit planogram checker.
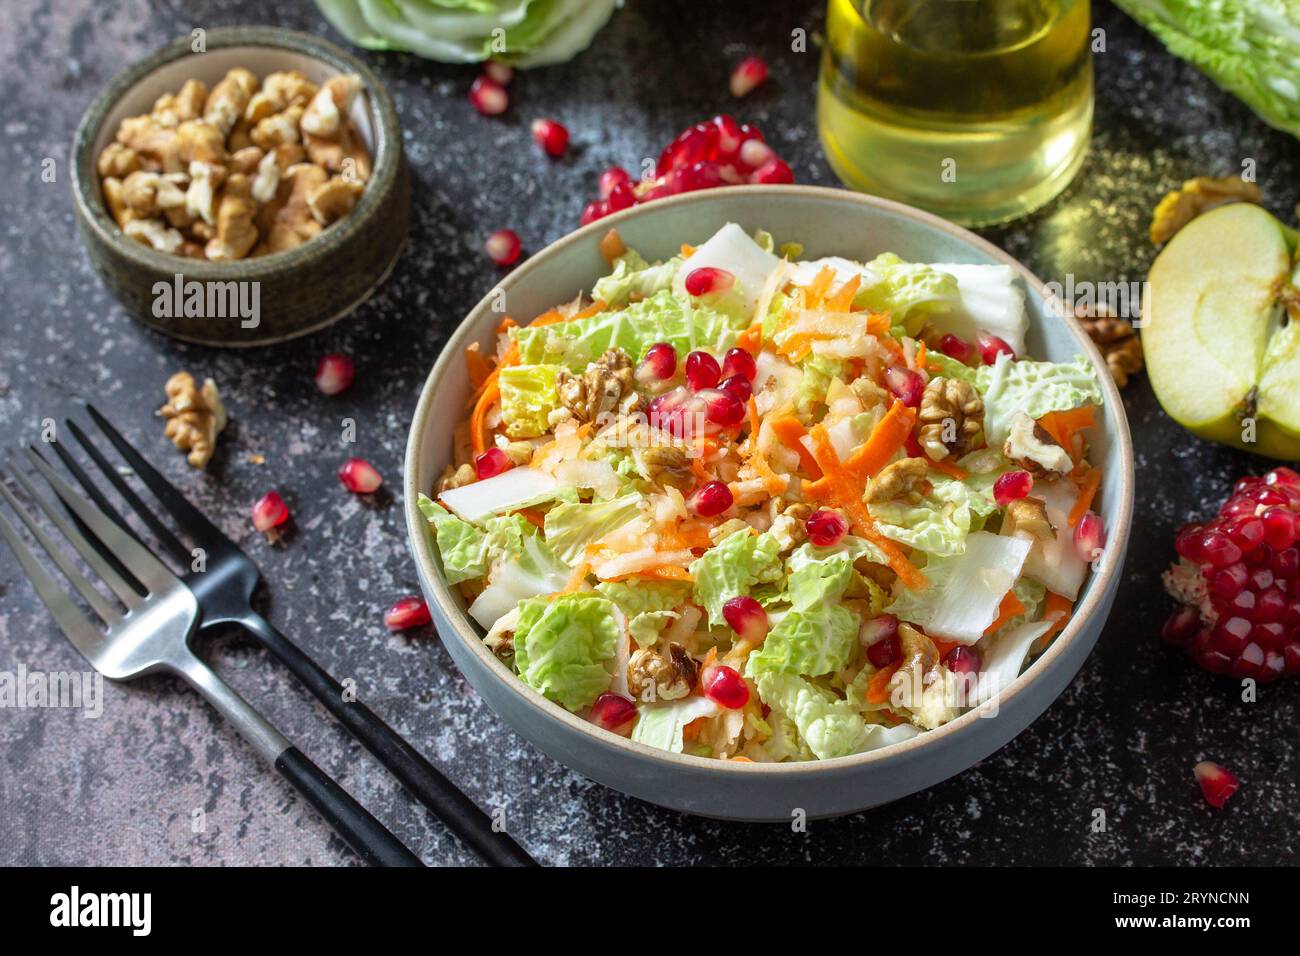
(952, 414)
(1033, 448)
(869, 393)
(1118, 341)
(1196, 196)
(195, 417)
(653, 675)
(606, 386)
(1028, 514)
(456, 477)
(903, 480)
(919, 655)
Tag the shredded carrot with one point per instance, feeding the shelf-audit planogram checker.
(578, 578)
(533, 517)
(741, 758)
(886, 438)
(687, 250)
(790, 430)
(1010, 607)
(772, 482)
(751, 340)
(948, 468)
(1063, 426)
(816, 290)
(846, 492)
(878, 686)
(596, 307)
(698, 469)
(664, 572)
(920, 355)
(1087, 492)
(1057, 608)
(694, 534)
(506, 325)
(478, 435)
(843, 298)
(549, 317)
(476, 365)
(879, 323)
(752, 408)
(694, 728)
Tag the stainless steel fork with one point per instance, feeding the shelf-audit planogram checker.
(151, 633)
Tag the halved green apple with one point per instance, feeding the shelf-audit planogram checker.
(1221, 330)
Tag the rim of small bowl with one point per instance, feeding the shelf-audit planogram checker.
(544, 709)
(385, 150)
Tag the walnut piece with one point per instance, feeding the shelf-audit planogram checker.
(952, 414)
(1118, 341)
(652, 675)
(919, 655)
(457, 477)
(236, 233)
(903, 480)
(1030, 515)
(1032, 448)
(606, 386)
(869, 393)
(1196, 196)
(195, 417)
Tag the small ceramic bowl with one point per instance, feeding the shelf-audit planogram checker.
(828, 222)
(296, 292)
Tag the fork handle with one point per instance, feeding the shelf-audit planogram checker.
(457, 811)
(370, 838)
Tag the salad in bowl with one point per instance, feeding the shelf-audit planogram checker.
(745, 506)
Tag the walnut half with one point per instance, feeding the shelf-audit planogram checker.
(606, 386)
(652, 675)
(903, 480)
(952, 414)
(1118, 341)
(195, 416)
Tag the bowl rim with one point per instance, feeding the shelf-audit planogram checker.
(545, 709)
(386, 156)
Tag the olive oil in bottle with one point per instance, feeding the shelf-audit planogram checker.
(979, 110)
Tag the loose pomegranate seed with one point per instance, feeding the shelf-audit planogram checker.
(270, 511)
(596, 209)
(746, 617)
(991, 346)
(553, 137)
(334, 373)
(748, 74)
(498, 71)
(708, 281)
(738, 386)
(724, 686)
(614, 712)
(754, 154)
(774, 172)
(880, 634)
(491, 463)
(1012, 486)
(406, 613)
(488, 96)
(621, 196)
(1217, 783)
(963, 660)
(696, 143)
(614, 176)
(825, 527)
(504, 247)
(723, 407)
(711, 499)
(907, 385)
(739, 362)
(702, 371)
(659, 364)
(360, 476)
(1089, 536)
(955, 347)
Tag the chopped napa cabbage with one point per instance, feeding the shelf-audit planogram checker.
(505, 537)
(949, 367)
(462, 547)
(662, 317)
(1056, 564)
(528, 396)
(989, 300)
(661, 724)
(1035, 388)
(908, 291)
(831, 727)
(649, 606)
(534, 572)
(570, 527)
(937, 525)
(818, 373)
(966, 589)
(564, 646)
(1005, 656)
(732, 567)
(850, 547)
(785, 742)
(732, 250)
(817, 635)
(633, 275)
(508, 491)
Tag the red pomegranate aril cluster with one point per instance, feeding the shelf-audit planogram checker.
(712, 498)
(1240, 575)
(720, 152)
(614, 712)
(491, 463)
(825, 527)
(746, 617)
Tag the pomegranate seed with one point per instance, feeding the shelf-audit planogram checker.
(596, 209)
(1270, 606)
(739, 362)
(1246, 533)
(991, 346)
(724, 686)
(1279, 527)
(955, 347)
(270, 511)
(754, 154)
(667, 411)
(488, 96)
(1230, 636)
(1217, 783)
(614, 712)
(739, 386)
(621, 196)
(659, 364)
(696, 143)
(499, 72)
(774, 172)
(705, 174)
(1283, 476)
(406, 613)
(907, 385)
(504, 247)
(334, 373)
(360, 476)
(722, 407)
(1012, 486)
(1228, 582)
(746, 617)
(614, 176)
(1286, 563)
(491, 463)
(1188, 542)
(880, 634)
(825, 527)
(1218, 549)
(553, 137)
(711, 499)
(748, 74)
(963, 660)
(1181, 625)
(1089, 536)
(709, 281)
(702, 371)
(730, 138)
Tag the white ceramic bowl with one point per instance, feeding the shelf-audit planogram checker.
(826, 222)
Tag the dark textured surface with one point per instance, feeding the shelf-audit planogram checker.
(124, 788)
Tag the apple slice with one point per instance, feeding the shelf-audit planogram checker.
(1221, 348)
